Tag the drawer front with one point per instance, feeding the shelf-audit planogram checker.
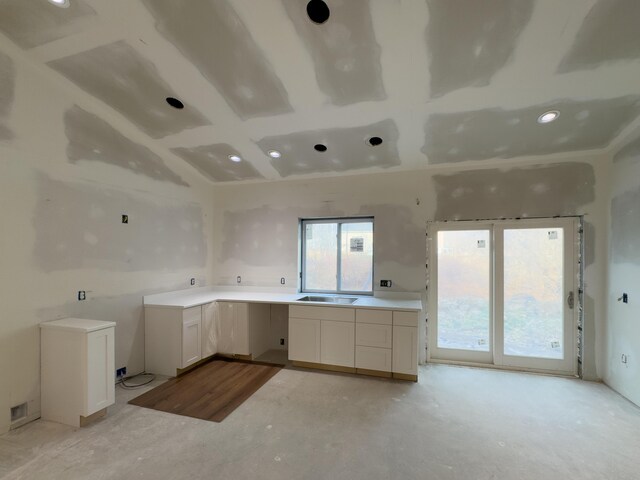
(372, 358)
(407, 319)
(192, 314)
(372, 335)
(336, 314)
(382, 317)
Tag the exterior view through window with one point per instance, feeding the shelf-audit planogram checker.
(337, 255)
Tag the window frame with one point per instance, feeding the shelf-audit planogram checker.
(339, 221)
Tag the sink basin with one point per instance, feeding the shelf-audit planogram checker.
(340, 300)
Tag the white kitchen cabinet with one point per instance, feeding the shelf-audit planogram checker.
(304, 340)
(173, 338)
(374, 335)
(405, 350)
(234, 328)
(337, 343)
(77, 369)
(373, 358)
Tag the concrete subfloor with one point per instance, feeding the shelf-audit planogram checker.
(456, 423)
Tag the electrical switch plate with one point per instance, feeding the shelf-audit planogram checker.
(82, 295)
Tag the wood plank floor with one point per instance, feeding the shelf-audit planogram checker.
(210, 392)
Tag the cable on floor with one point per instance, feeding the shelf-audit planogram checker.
(131, 386)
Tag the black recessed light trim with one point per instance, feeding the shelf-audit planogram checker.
(374, 141)
(175, 103)
(318, 11)
(319, 147)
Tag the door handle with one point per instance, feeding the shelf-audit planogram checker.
(570, 300)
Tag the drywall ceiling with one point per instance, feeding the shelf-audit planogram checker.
(440, 81)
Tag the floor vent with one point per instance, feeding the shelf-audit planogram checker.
(19, 412)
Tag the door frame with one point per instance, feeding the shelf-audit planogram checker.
(496, 357)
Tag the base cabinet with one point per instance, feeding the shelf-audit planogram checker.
(337, 343)
(77, 369)
(405, 354)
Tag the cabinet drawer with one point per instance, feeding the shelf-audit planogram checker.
(382, 317)
(407, 319)
(373, 358)
(192, 314)
(336, 314)
(372, 335)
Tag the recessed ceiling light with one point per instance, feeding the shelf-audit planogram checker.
(318, 11)
(175, 103)
(274, 154)
(374, 141)
(320, 147)
(235, 158)
(60, 3)
(548, 117)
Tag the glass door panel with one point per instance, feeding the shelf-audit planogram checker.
(533, 292)
(464, 291)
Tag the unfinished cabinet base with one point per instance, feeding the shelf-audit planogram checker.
(84, 421)
(360, 371)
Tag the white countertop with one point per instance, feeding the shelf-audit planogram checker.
(203, 295)
(78, 324)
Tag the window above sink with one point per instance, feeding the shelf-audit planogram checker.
(337, 256)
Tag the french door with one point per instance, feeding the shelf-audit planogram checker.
(504, 293)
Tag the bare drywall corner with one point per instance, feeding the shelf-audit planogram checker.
(344, 50)
(497, 133)
(78, 226)
(589, 242)
(347, 149)
(30, 23)
(203, 32)
(123, 79)
(543, 191)
(629, 153)
(213, 162)
(92, 139)
(7, 92)
(469, 42)
(625, 227)
(609, 33)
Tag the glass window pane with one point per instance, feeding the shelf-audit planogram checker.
(357, 257)
(533, 292)
(464, 290)
(321, 256)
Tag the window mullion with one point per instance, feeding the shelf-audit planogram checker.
(339, 258)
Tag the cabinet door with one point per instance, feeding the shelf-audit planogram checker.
(100, 391)
(373, 358)
(405, 350)
(337, 343)
(210, 330)
(304, 340)
(191, 336)
(226, 316)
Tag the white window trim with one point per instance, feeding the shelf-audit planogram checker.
(339, 221)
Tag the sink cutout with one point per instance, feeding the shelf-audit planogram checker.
(339, 300)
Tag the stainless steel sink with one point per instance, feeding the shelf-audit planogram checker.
(340, 300)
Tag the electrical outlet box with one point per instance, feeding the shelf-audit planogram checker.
(625, 298)
(385, 283)
(282, 281)
(282, 341)
(121, 372)
(238, 279)
(82, 295)
(193, 281)
(624, 358)
(125, 218)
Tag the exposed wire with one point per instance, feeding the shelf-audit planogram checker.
(123, 381)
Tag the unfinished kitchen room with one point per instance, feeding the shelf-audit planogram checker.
(320, 239)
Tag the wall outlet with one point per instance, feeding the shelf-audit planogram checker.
(193, 281)
(624, 358)
(82, 295)
(282, 341)
(282, 281)
(125, 218)
(238, 279)
(121, 372)
(385, 283)
(625, 298)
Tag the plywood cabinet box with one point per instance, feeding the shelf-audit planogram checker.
(177, 338)
(369, 341)
(77, 369)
